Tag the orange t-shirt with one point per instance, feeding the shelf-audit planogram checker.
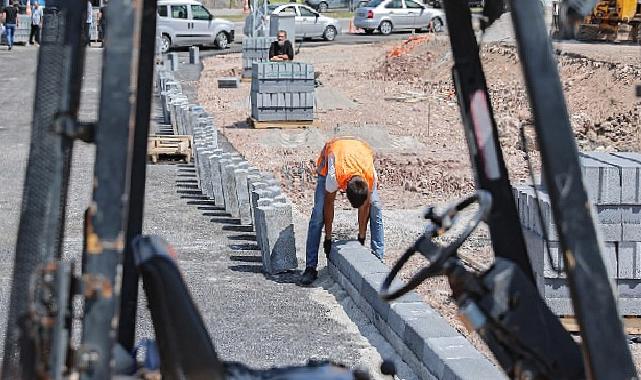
(351, 157)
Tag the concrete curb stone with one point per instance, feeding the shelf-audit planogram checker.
(424, 340)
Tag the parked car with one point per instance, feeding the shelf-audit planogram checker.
(389, 15)
(324, 5)
(309, 23)
(472, 3)
(188, 23)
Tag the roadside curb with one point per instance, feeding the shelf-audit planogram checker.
(423, 339)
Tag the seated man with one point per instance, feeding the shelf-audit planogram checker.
(281, 50)
(345, 164)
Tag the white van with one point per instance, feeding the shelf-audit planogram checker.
(189, 23)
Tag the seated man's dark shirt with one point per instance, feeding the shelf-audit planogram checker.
(275, 49)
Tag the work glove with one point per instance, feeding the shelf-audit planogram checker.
(361, 239)
(327, 246)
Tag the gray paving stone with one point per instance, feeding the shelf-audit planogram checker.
(259, 222)
(629, 288)
(629, 263)
(216, 178)
(227, 168)
(556, 288)
(472, 368)
(603, 181)
(631, 214)
(445, 350)
(419, 330)
(560, 306)
(370, 287)
(244, 205)
(360, 262)
(280, 253)
(629, 306)
(228, 82)
(631, 232)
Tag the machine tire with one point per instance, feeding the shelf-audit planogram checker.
(221, 41)
(385, 28)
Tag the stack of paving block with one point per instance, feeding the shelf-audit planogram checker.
(613, 182)
(255, 50)
(282, 91)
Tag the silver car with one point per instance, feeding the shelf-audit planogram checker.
(309, 23)
(188, 23)
(324, 5)
(389, 15)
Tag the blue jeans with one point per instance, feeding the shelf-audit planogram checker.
(317, 221)
(11, 31)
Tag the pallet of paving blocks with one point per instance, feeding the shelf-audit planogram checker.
(254, 50)
(282, 91)
(613, 182)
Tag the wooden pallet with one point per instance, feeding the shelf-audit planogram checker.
(280, 123)
(631, 324)
(177, 146)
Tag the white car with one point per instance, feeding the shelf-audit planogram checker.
(189, 23)
(309, 23)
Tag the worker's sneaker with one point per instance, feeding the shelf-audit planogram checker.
(310, 275)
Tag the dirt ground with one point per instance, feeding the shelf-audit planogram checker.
(422, 156)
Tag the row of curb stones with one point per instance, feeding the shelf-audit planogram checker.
(423, 339)
(226, 178)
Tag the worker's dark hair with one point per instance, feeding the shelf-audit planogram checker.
(357, 191)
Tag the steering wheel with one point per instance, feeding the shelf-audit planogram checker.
(440, 222)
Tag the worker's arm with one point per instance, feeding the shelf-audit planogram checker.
(363, 218)
(328, 213)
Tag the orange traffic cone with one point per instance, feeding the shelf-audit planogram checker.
(352, 29)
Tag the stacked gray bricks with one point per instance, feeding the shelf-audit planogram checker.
(255, 50)
(282, 91)
(613, 183)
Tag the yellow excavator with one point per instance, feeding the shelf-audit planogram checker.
(609, 20)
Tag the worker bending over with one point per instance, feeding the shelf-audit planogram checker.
(345, 164)
(281, 49)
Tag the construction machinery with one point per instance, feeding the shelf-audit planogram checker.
(606, 20)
